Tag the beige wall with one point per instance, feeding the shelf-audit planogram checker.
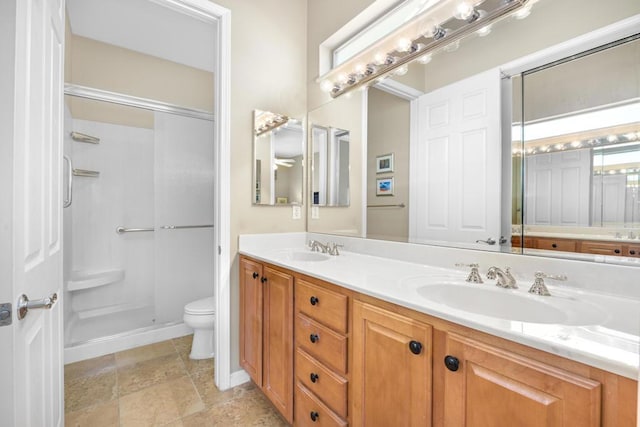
(268, 72)
(388, 132)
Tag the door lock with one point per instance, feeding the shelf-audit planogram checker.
(24, 305)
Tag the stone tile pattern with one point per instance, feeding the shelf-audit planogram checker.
(158, 385)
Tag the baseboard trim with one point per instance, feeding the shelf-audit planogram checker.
(239, 377)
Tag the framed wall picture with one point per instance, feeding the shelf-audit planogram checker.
(384, 163)
(384, 186)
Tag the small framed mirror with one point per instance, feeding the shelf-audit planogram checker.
(278, 159)
(329, 166)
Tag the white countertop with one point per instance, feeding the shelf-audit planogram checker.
(612, 345)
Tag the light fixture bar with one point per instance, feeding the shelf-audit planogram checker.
(420, 46)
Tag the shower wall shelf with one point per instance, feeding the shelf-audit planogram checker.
(82, 137)
(86, 173)
(86, 279)
(110, 309)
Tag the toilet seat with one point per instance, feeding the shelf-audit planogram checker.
(201, 306)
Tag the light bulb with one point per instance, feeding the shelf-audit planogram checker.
(360, 69)
(559, 146)
(576, 144)
(463, 11)
(326, 86)
(425, 59)
(433, 29)
(403, 45)
(380, 58)
(342, 78)
(612, 138)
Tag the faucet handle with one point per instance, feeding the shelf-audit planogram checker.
(474, 275)
(539, 287)
(333, 250)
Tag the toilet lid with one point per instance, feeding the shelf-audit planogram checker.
(201, 306)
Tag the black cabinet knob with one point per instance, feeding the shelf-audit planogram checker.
(554, 245)
(255, 275)
(452, 363)
(263, 280)
(616, 251)
(314, 377)
(632, 252)
(314, 338)
(314, 416)
(415, 347)
(314, 300)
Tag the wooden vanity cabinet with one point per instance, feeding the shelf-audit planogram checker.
(321, 355)
(391, 374)
(266, 331)
(485, 386)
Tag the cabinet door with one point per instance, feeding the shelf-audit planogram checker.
(251, 319)
(391, 369)
(601, 248)
(277, 378)
(492, 387)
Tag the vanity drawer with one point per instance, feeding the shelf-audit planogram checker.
(556, 244)
(322, 343)
(311, 412)
(330, 387)
(323, 305)
(601, 248)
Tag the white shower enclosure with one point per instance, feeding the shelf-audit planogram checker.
(139, 236)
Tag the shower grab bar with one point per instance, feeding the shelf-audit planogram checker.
(67, 202)
(178, 227)
(87, 173)
(122, 230)
(82, 137)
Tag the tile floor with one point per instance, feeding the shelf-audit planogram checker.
(158, 385)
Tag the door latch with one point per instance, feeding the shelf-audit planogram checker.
(5, 314)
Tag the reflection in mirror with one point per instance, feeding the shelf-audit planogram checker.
(330, 166)
(278, 159)
(580, 145)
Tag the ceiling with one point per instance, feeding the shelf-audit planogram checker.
(147, 27)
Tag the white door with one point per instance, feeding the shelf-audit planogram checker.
(31, 364)
(456, 164)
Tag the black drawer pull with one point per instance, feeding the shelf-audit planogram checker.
(314, 377)
(263, 280)
(314, 300)
(255, 275)
(452, 363)
(632, 252)
(314, 416)
(415, 347)
(554, 245)
(616, 251)
(314, 338)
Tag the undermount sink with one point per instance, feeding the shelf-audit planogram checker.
(305, 256)
(512, 305)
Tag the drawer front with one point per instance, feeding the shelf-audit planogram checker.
(556, 245)
(311, 412)
(328, 386)
(323, 305)
(322, 343)
(601, 248)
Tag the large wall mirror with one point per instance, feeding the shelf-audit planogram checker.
(460, 174)
(278, 159)
(579, 149)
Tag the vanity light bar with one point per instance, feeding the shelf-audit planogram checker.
(273, 122)
(599, 142)
(420, 46)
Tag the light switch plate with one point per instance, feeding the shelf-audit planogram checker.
(315, 212)
(296, 212)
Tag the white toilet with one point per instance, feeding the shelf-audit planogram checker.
(200, 315)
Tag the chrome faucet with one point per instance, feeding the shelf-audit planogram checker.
(474, 275)
(539, 288)
(318, 247)
(504, 278)
(333, 250)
